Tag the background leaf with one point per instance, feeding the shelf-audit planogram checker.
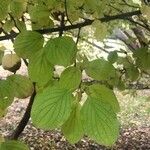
(13, 145)
(100, 69)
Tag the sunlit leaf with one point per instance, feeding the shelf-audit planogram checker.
(73, 128)
(70, 78)
(104, 94)
(100, 122)
(52, 107)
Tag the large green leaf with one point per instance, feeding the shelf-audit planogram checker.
(13, 145)
(27, 43)
(52, 107)
(40, 70)
(17, 7)
(21, 86)
(3, 9)
(100, 69)
(73, 128)
(104, 94)
(70, 78)
(61, 51)
(100, 122)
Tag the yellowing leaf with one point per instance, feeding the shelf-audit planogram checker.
(100, 30)
(11, 62)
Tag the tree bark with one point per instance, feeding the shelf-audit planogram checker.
(15, 135)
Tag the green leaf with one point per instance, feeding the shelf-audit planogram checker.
(100, 69)
(21, 86)
(6, 96)
(73, 128)
(4, 4)
(132, 73)
(70, 78)
(61, 51)
(38, 13)
(27, 43)
(112, 57)
(40, 70)
(9, 24)
(142, 56)
(18, 7)
(11, 62)
(104, 94)
(100, 122)
(13, 145)
(52, 107)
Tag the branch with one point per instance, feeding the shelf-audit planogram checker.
(87, 22)
(15, 135)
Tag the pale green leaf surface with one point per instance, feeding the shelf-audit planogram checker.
(104, 94)
(52, 107)
(70, 78)
(100, 122)
(73, 128)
